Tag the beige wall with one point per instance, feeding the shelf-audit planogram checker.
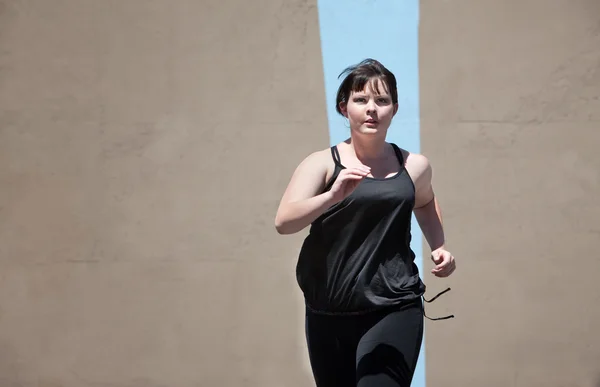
(510, 119)
(144, 147)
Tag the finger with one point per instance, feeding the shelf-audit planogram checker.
(446, 271)
(363, 167)
(443, 262)
(438, 258)
(360, 170)
(354, 173)
(443, 265)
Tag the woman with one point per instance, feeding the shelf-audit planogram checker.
(364, 313)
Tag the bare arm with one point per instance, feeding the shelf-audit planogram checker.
(427, 210)
(429, 215)
(301, 203)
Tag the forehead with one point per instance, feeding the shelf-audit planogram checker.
(375, 86)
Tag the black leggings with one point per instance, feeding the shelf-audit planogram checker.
(376, 349)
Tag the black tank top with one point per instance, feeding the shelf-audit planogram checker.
(357, 256)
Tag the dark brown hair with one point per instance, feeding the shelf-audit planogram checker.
(357, 77)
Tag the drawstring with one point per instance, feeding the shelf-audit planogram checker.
(433, 299)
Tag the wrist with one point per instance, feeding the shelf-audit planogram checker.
(440, 246)
(328, 198)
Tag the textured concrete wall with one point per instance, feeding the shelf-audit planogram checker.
(511, 121)
(144, 146)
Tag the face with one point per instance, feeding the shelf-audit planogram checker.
(370, 112)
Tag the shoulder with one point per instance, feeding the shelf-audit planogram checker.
(318, 164)
(418, 167)
(317, 159)
(418, 162)
(308, 179)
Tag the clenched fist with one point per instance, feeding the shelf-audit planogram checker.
(444, 263)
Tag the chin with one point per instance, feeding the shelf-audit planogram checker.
(370, 131)
(374, 131)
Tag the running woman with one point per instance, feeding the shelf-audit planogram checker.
(356, 269)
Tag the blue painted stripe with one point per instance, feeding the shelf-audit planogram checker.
(386, 30)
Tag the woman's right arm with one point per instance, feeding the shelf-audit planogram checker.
(302, 201)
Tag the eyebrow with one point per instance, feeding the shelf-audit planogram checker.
(359, 95)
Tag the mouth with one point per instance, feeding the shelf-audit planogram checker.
(371, 121)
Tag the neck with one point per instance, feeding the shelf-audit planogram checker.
(367, 148)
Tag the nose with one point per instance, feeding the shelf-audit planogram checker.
(371, 106)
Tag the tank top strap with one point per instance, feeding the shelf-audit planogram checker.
(337, 161)
(335, 154)
(399, 154)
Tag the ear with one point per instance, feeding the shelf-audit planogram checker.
(395, 108)
(343, 108)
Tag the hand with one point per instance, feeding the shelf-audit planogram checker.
(444, 263)
(347, 181)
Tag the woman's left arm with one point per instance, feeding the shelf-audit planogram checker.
(429, 216)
